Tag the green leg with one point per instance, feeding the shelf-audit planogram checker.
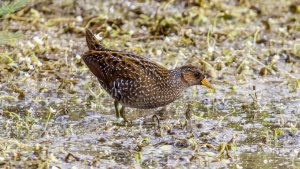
(122, 113)
(162, 113)
(116, 103)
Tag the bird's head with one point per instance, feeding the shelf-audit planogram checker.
(193, 76)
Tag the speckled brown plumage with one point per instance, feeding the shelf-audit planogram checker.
(136, 81)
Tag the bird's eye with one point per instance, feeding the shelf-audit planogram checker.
(196, 74)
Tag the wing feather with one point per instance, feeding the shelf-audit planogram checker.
(109, 65)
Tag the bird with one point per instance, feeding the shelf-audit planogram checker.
(136, 81)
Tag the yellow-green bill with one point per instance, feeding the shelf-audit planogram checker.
(205, 82)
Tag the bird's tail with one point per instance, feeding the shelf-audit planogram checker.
(92, 42)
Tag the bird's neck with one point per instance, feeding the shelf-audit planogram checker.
(177, 75)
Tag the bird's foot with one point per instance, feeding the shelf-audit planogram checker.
(156, 121)
(121, 122)
(162, 113)
(151, 121)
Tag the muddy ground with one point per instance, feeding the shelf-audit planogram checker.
(54, 114)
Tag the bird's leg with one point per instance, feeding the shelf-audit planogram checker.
(116, 103)
(158, 115)
(155, 118)
(122, 113)
(162, 113)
